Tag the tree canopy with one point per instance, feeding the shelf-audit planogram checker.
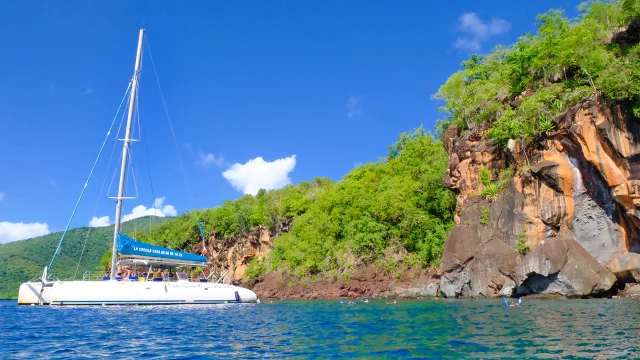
(519, 89)
(399, 200)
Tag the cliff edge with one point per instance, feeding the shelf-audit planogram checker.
(567, 221)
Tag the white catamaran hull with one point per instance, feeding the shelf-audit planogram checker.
(131, 292)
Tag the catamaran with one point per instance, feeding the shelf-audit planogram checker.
(128, 253)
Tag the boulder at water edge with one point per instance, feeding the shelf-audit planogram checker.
(560, 266)
(475, 269)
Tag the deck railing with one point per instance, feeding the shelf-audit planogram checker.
(101, 276)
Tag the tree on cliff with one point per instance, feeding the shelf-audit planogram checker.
(518, 90)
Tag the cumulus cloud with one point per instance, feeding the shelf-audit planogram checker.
(477, 31)
(18, 231)
(258, 174)
(158, 209)
(2, 196)
(209, 159)
(354, 106)
(99, 221)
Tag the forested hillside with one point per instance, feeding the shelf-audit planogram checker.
(23, 260)
(397, 202)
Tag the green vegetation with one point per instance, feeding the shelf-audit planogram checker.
(23, 260)
(390, 265)
(520, 89)
(485, 176)
(354, 220)
(523, 247)
(484, 216)
(491, 189)
(256, 269)
(399, 200)
(266, 208)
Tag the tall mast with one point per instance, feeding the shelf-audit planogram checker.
(125, 154)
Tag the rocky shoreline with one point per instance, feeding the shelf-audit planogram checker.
(416, 284)
(367, 281)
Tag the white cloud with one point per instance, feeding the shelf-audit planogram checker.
(258, 174)
(477, 31)
(354, 106)
(209, 159)
(99, 221)
(88, 91)
(18, 231)
(52, 89)
(53, 183)
(158, 209)
(2, 196)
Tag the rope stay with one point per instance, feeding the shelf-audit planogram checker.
(153, 196)
(95, 208)
(86, 184)
(173, 135)
(166, 111)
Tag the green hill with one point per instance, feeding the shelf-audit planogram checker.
(23, 260)
(396, 205)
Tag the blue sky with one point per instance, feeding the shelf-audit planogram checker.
(260, 93)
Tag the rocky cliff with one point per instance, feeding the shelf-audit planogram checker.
(567, 221)
(230, 257)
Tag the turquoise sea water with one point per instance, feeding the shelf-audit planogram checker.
(326, 329)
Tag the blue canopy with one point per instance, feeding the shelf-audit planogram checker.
(129, 246)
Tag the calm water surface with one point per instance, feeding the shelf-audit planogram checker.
(326, 329)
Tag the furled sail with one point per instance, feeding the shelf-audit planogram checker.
(130, 246)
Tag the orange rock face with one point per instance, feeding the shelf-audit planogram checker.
(231, 256)
(583, 180)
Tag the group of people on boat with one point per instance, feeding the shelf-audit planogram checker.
(127, 273)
